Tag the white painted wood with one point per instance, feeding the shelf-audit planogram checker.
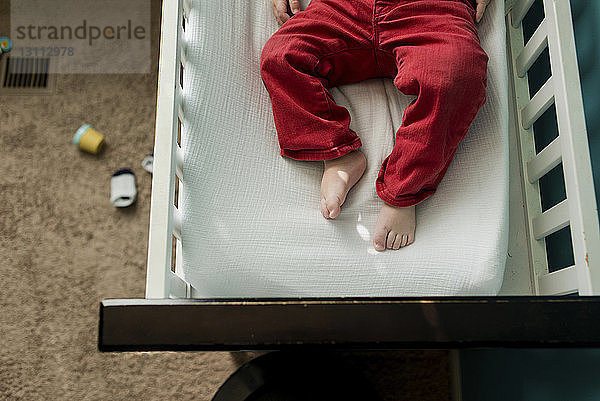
(526, 152)
(187, 6)
(508, 6)
(534, 47)
(158, 282)
(552, 220)
(518, 277)
(183, 55)
(519, 10)
(179, 250)
(194, 293)
(538, 104)
(183, 44)
(178, 287)
(179, 163)
(179, 99)
(544, 161)
(176, 222)
(560, 282)
(579, 184)
(182, 289)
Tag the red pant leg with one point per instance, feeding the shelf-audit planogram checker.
(439, 58)
(326, 45)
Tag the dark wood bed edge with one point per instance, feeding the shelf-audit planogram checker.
(349, 323)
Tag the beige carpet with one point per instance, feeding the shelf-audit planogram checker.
(64, 248)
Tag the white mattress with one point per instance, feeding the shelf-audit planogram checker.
(251, 220)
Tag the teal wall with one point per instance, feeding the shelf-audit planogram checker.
(586, 16)
(531, 374)
(549, 374)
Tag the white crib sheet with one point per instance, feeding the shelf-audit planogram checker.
(251, 221)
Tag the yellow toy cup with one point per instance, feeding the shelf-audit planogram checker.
(88, 139)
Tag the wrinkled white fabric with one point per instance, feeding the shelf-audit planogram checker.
(251, 220)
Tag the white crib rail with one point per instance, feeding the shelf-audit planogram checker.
(165, 219)
(571, 148)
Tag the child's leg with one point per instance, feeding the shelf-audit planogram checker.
(324, 46)
(439, 59)
(327, 45)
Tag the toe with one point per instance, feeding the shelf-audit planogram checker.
(391, 237)
(379, 238)
(333, 207)
(397, 242)
(323, 208)
(411, 239)
(334, 211)
(403, 240)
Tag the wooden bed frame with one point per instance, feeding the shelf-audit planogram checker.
(535, 308)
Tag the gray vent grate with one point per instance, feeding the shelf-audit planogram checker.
(26, 72)
(26, 76)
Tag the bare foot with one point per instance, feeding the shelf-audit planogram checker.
(338, 177)
(395, 227)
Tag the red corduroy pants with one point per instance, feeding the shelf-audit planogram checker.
(429, 47)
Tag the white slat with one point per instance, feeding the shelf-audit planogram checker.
(560, 282)
(533, 48)
(187, 6)
(538, 104)
(176, 223)
(183, 46)
(182, 58)
(183, 53)
(518, 277)
(538, 262)
(579, 182)
(519, 10)
(160, 236)
(178, 287)
(179, 161)
(179, 102)
(544, 161)
(551, 220)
